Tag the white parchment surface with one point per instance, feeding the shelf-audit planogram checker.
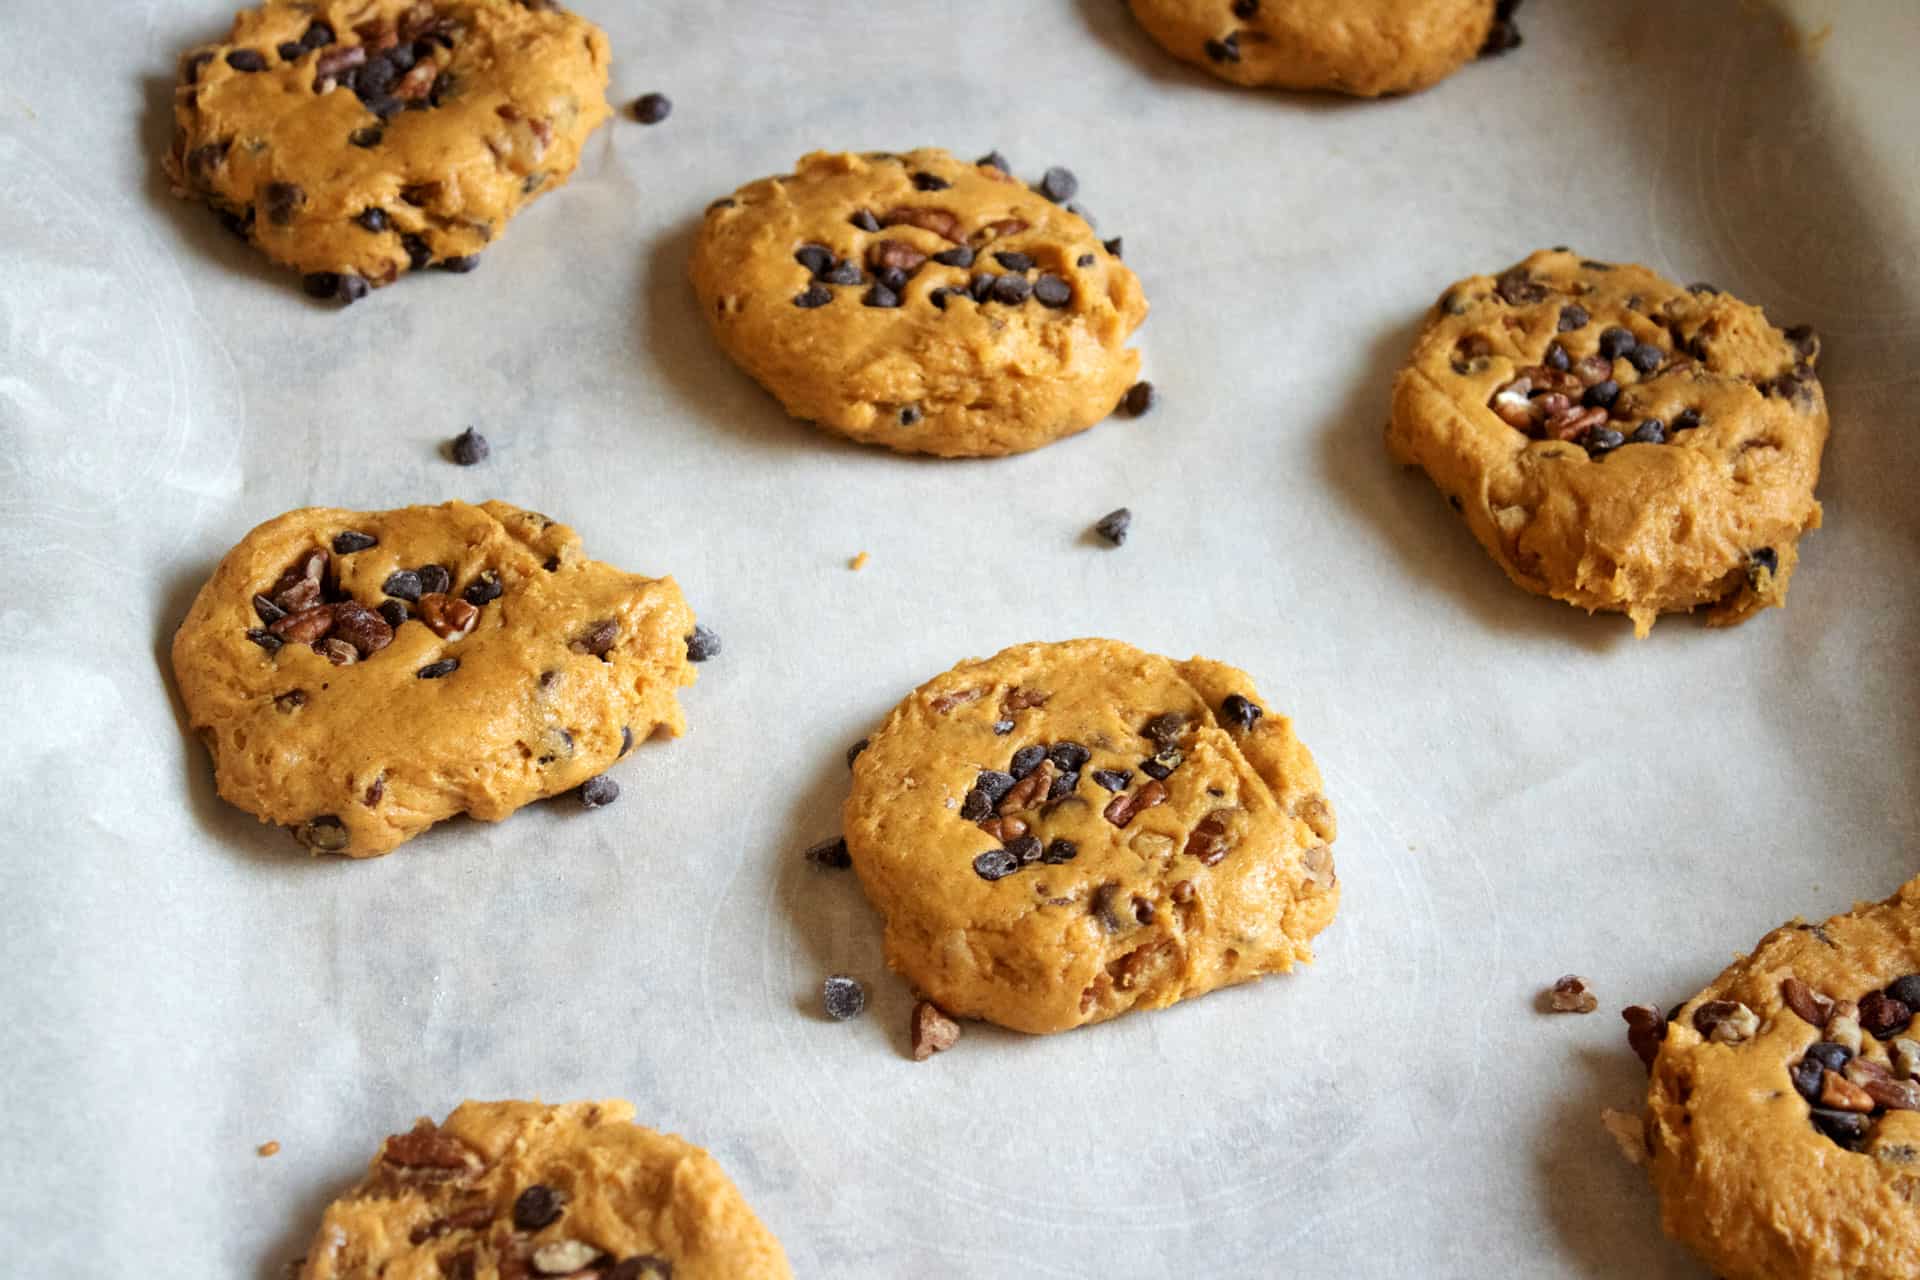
(1522, 790)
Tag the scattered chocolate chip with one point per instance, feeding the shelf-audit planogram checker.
(435, 670)
(1068, 755)
(265, 639)
(318, 36)
(880, 296)
(1844, 1127)
(349, 541)
(599, 792)
(854, 751)
(1601, 395)
(909, 415)
(932, 1031)
(1164, 730)
(1702, 288)
(930, 182)
(843, 997)
(597, 638)
(1807, 1075)
(1240, 712)
(994, 784)
(1573, 316)
(1114, 246)
(1026, 760)
(865, 220)
(1012, 290)
(1013, 261)
(281, 200)
(1063, 785)
(1557, 358)
(846, 271)
(652, 108)
(434, 578)
(1616, 342)
(1765, 560)
(1600, 440)
(1646, 357)
(1084, 260)
(247, 60)
(537, 1206)
(994, 160)
(1652, 431)
(419, 252)
(1113, 779)
(1026, 849)
(1058, 184)
(1227, 50)
(1517, 288)
(814, 257)
(1161, 765)
(470, 447)
(1114, 525)
(831, 854)
(813, 296)
(1138, 400)
(702, 644)
(1052, 291)
(401, 584)
(1060, 850)
(995, 864)
(1686, 420)
(1503, 36)
(1245, 9)
(484, 589)
(959, 256)
(1102, 906)
(290, 50)
(1882, 1016)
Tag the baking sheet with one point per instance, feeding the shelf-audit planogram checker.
(1522, 791)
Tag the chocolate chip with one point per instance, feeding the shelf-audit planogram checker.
(1068, 756)
(598, 638)
(598, 793)
(1160, 765)
(349, 541)
(1012, 290)
(1227, 50)
(1652, 431)
(1052, 291)
(373, 218)
(846, 271)
(831, 854)
(1058, 184)
(1114, 525)
(1113, 779)
(1844, 1127)
(1906, 990)
(1831, 1056)
(865, 220)
(401, 584)
(1807, 1076)
(1164, 730)
(1557, 358)
(324, 834)
(1138, 400)
(959, 256)
(980, 287)
(938, 297)
(247, 60)
(995, 864)
(1084, 260)
(290, 51)
(1239, 712)
(281, 200)
(1573, 316)
(1646, 357)
(537, 1206)
(994, 785)
(1616, 341)
(1686, 420)
(814, 257)
(1601, 395)
(1113, 246)
(394, 612)
(367, 136)
(419, 252)
(1502, 36)
(459, 265)
(1013, 261)
(484, 589)
(1517, 288)
(702, 644)
(854, 751)
(318, 36)
(652, 108)
(1025, 849)
(434, 578)
(1245, 9)
(813, 296)
(267, 610)
(1766, 558)
(1060, 851)
(1882, 1016)
(977, 806)
(626, 739)
(1702, 288)
(1599, 440)
(1026, 760)
(265, 639)
(930, 182)
(470, 447)
(880, 296)
(434, 670)
(909, 415)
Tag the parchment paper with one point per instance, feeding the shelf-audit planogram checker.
(1523, 791)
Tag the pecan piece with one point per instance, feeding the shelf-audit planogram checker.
(1841, 1094)
(338, 652)
(1725, 1021)
(1124, 808)
(1894, 1095)
(958, 698)
(300, 586)
(361, 627)
(895, 254)
(998, 229)
(465, 1220)
(1209, 840)
(425, 1147)
(941, 222)
(449, 617)
(1029, 791)
(418, 82)
(1019, 699)
(1814, 1009)
(933, 1031)
(305, 626)
(1571, 994)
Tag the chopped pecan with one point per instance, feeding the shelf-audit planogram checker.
(1574, 421)
(305, 626)
(941, 222)
(1124, 808)
(300, 586)
(1894, 1095)
(1841, 1094)
(1813, 1008)
(1843, 1028)
(895, 254)
(563, 1257)
(1571, 994)
(1209, 840)
(1004, 829)
(425, 1147)
(449, 617)
(418, 82)
(933, 1031)
(335, 60)
(1725, 1021)
(958, 698)
(338, 652)
(1029, 791)
(1019, 699)
(465, 1220)
(361, 627)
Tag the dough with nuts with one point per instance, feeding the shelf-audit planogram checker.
(359, 676)
(354, 140)
(1064, 832)
(919, 302)
(514, 1190)
(1617, 441)
(1783, 1112)
(1362, 47)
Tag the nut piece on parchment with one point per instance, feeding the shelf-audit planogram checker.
(1570, 994)
(933, 1031)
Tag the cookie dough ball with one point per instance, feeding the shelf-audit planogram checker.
(920, 303)
(360, 675)
(1783, 1112)
(1064, 832)
(1615, 440)
(516, 1190)
(1363, 47)
(353, 140)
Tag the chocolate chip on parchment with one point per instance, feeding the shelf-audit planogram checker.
(1882, 1016)
(1114, 525)
(484, 589)
(702, 643)
(470, 447)
(1226, 50)
(853, 752)
(652, 108)
(1138, 400)
(1114, 246)
(995, 864)
(843, 997)
(1052, 291)
(831, 854)
(247, 60)
(626, 740)
(1059, 184)
(435, 670)
(1645, 1030)
(813, 296)
(537, 1206)
(599, 792)
(1240, 712)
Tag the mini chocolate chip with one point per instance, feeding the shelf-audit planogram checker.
(1138, 400)
(265, 639)
(470, 447)
(290, 51)
(247, 60)
(1240, 712)
(1068, 755)
(1573, 316)
(1114, 525)
(1113, 779)
(930, 182)
(994, 160)
(367, 136)
(843, 997)
(267, 610)
(320, 284)
(1003, 727)
(373, 218)
(1164, 730)
(1601, 395)
(1831, 1056)
(458, 265)
(976, 807)
(1557, 358)
(1652, 431)
(814, 257)
(1025, 849)
(831, 854)
(853, 752)
(652, 108)
(1599, 440)
(1084, 260)
(1058, 184)
(1026, 760)
(865, 220)
(434, 578)
(1227, 50)
(348, 541)
(995, 864)
(1766, 558)
(1244, 9)
(1703, 288)
(434, 670)
(626, 739)
(814, 295)
(419, 252)
(394, 612)
(909, 415)
(599, 792)
(938, 297)
(1616, 341)
(846, 271)
(401, 584)
(1052, 291)
(880, 296)
(702, 644)
(1159, 766)
(1012, 290)
(318, 36)
(1686, 420)
(1063, 785)
(1807, 1075)
(1646, 357)
(1013, 261)
(1059, 851)
(958, 256)
(1114, 246)
(994, 785)
(537, 1206)
(484, 589)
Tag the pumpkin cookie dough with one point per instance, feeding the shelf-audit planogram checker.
(1615, 440)
(921, 303)
(359, 676)
(1783, 1112)
(1363, 47)
(1064, 832)
(353, 140)
(513, 1190)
